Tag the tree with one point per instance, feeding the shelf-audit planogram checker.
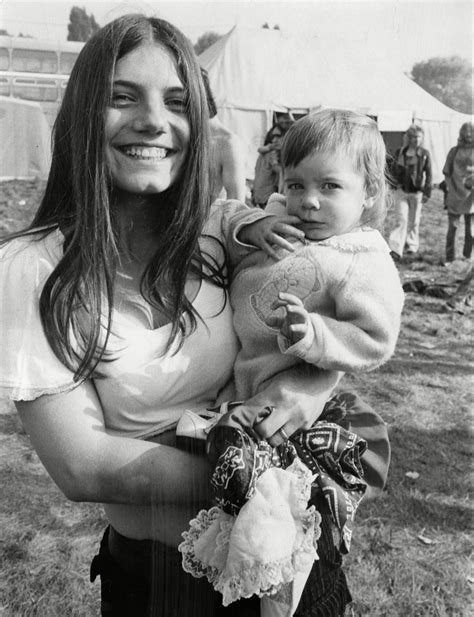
(448, 79)
(81, 26)
(205, 40)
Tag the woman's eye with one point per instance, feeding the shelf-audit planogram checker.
(120, 99)
(177, 103)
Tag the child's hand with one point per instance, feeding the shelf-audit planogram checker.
(295, 325)
(270, 231)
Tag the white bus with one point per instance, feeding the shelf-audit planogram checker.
(36, 70)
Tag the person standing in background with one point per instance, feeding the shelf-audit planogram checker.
(412, 177)
(458, 170)
(227, 152)
(267, 171)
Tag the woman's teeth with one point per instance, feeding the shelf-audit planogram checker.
(146, 153)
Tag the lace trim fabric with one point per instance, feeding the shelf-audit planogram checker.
(260, 550)
(15, 393)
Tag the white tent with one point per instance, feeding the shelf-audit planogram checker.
(25, 140)
(254, 73)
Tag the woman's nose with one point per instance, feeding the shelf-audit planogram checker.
(151, 117)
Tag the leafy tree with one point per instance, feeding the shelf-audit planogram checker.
(81, 26)
(266, 26)
(206, 40)
(448, 79)
(4, 32)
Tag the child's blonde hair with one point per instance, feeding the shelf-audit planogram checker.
(348, 132)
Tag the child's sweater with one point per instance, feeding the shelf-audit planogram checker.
(351, 289)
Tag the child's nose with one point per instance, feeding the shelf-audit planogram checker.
(311, 200)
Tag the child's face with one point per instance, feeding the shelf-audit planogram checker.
(326, 193)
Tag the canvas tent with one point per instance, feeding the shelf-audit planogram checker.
(254, 73)
(25, 140)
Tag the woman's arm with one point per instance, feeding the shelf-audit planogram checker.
(298, 396)
(88, 464)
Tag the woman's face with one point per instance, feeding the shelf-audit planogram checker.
(146, 126)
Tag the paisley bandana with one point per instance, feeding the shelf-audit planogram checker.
(331, 453)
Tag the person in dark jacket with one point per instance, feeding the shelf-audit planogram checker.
(412, 177)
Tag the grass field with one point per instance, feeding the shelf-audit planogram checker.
(412, 546)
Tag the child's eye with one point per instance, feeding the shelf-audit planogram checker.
(294, 186)
(331, 186)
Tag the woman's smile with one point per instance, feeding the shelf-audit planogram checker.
(145, 153)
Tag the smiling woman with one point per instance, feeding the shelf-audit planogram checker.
(127, 321)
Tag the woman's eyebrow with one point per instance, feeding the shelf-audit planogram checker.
(133, 84)
(124, 82)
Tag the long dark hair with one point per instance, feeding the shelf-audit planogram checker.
(77, 200)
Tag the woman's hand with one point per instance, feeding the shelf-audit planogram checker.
(271, 231)
(295, 323)
(297, 397)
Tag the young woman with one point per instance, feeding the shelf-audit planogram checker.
(114, 311)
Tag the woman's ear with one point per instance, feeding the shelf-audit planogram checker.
(369, 202)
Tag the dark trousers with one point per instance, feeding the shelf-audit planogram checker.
(454, 221)
(141, 578)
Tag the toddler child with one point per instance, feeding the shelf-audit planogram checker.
(334, 298)
(330, 300)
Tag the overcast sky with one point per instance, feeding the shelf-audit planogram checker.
(411, 30)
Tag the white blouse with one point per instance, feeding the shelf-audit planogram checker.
(142, 392)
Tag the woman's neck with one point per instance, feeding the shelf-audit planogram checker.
(138, 221)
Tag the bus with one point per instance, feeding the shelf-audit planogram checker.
(35, 70)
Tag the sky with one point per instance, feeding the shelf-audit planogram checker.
(411, 30)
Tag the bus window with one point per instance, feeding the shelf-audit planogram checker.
(62, 88)
(66, 62)
(33, 90)
(4, 60)
(4, 87)
(34, 61)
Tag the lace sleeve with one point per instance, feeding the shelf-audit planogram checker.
(28, 366)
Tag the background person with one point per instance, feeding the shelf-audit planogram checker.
(280, 127)
(412, 176)
(267, 172)
(227, 153)
(458, 170)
